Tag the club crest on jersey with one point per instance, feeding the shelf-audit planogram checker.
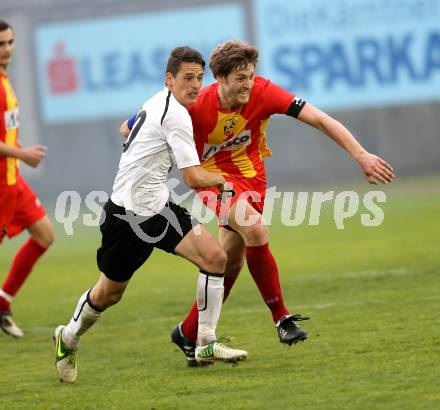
(11, 119)
(241, 140)
(230, 124)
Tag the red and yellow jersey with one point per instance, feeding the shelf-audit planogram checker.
(8, 130)
(233, 143)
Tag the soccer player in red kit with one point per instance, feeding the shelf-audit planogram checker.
(230, 118)
(19, 207)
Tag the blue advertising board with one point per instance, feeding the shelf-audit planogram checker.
(344, 54)
(98, 68)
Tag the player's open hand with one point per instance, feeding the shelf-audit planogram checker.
(33, 155)
(375, 168)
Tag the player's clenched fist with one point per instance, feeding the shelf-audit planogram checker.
(33, 155)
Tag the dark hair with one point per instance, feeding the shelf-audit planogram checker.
(231, 55)
(4, 25)
(181, 55)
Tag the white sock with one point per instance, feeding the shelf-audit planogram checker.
(84, 317)
(209, 302)
(6, 296)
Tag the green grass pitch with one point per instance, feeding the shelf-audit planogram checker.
(374, 338)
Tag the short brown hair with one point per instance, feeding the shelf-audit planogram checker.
(4, 25)
(181, 55)
(231, 55)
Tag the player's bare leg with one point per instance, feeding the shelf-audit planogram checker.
(184, 335)
(201, 248)
(244, 219)
(235, 248)
(90, 306)
(42, 232)
(42, 237)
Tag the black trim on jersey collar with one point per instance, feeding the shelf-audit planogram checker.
(166, 107)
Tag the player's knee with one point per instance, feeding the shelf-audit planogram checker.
(256, 235)
(48, 239)
(45, 238)
(216, 261)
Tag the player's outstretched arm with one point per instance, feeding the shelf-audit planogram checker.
(197, 177)
(32, 155)
(373, 167)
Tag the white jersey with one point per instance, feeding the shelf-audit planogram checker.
(162, 136)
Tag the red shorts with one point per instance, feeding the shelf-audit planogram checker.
(19, 208)
(253, 190)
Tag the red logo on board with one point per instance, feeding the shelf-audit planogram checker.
(62, 73)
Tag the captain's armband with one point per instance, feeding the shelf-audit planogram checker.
(296, 107)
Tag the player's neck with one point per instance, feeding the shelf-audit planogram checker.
(3, 70)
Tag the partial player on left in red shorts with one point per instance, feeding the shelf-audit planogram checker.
(20, 208)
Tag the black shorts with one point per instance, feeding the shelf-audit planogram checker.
(129, 239)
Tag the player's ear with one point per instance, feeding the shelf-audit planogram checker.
(169, 79)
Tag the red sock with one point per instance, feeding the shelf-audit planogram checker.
(191, 323)
(263, 269)
(21, 267)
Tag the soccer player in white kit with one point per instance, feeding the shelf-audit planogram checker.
(140, 217)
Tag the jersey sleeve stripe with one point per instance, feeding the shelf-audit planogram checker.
(167, 104)
(11, 134)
